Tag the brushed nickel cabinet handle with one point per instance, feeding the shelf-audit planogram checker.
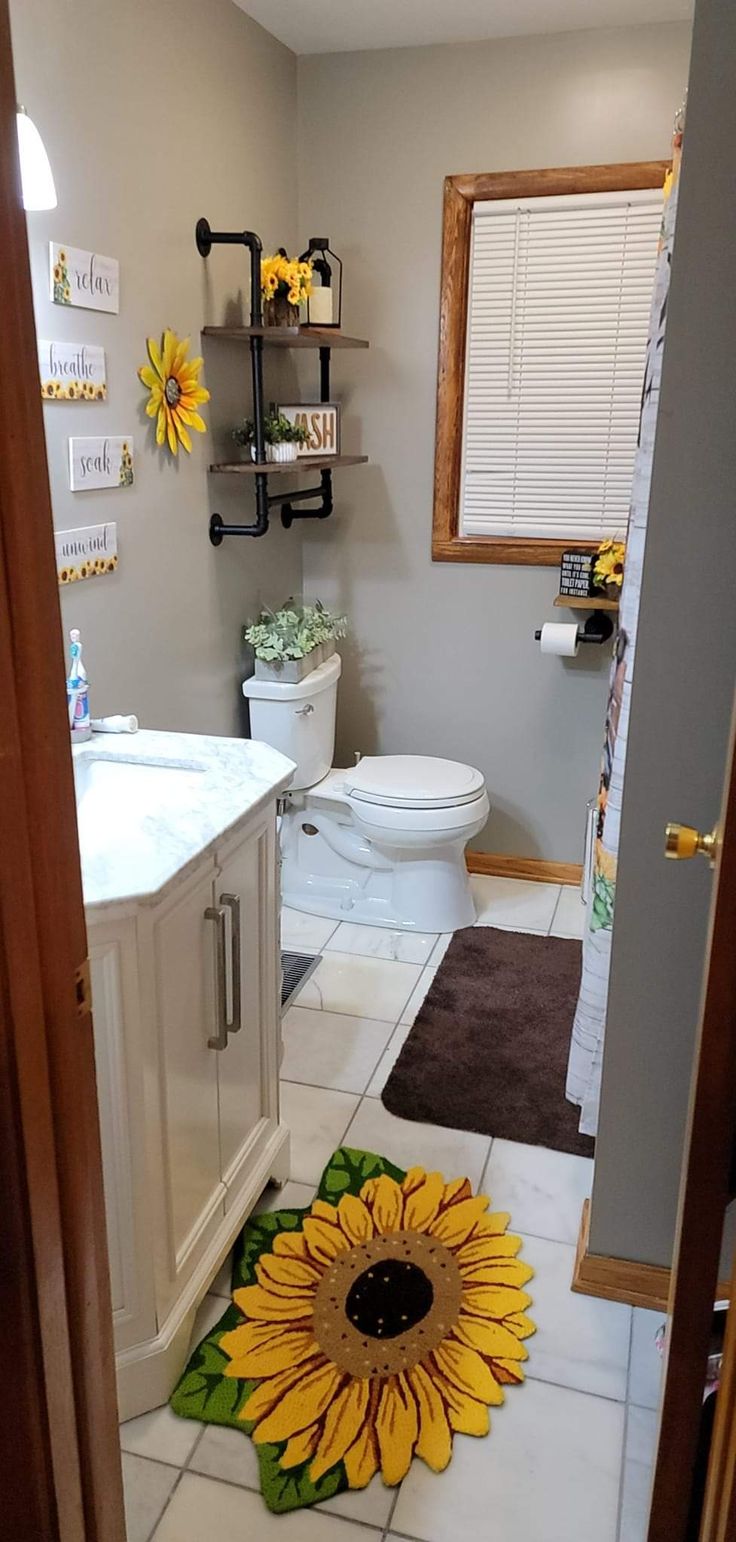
(234, 1001)
(217, 915)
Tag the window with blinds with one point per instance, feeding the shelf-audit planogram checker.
(558, 317)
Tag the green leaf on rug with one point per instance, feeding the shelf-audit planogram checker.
(204, 1391)
(291, 1490)
(347, 1171)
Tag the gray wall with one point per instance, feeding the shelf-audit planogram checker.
(442, 658)
(682, 692)
(154, 114)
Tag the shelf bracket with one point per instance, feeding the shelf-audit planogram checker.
(323, 511)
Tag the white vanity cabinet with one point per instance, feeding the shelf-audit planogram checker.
(186, 1008)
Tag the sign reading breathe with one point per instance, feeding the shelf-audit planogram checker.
(84, 278)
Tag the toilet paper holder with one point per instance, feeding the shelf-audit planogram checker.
(598, 628)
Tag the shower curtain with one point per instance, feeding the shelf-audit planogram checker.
(586, 1049)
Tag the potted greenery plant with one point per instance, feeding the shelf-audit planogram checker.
(282, 437)
(290, 642)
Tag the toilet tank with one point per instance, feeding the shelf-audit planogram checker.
(298, 720)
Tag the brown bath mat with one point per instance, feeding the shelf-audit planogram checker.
(488, 1051)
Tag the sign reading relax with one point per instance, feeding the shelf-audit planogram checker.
(84, 278)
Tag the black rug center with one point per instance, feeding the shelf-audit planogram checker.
(389, 1299)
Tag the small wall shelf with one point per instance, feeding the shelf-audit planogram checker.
(259, 337)
(583, 602)
(305, 463)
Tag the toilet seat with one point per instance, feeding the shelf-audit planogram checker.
(413, 782)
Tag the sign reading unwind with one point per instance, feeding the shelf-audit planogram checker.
(84, 278)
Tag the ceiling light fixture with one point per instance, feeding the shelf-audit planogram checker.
(36, 176)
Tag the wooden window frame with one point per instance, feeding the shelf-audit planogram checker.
(460, 194)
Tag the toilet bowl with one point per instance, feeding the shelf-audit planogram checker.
(383, 842)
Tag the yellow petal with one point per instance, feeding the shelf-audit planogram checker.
(355, 1219)
(459, 1188)
(180, 353)
(387, 1205)
(397, 1427)
(300, 1447)
(487, 1274)
(183, 434)
(479, 1250)
(149, 377)
(434, 1444)
(290, 1244)
(491, 1225)
(508, 1372)
(324, 1212)
(467, 1371)
(413, 1179)
(324, 1241)
(502, 1301)
(508, 1271)
(422, 1205)
(454, 1226)
(168, 352)
(264, 1306)
(152, 406)
(521, 1325)
(188, 415)
(361, 1461)
(154, 354)
(191, 367)
(489, 1338)
(465, 1414)
(301, 1405)
(194, 394)
(291, 1275)
(161, 425)
(267, 1394)
(343, 1422)
(171, 434)
(279, 1353)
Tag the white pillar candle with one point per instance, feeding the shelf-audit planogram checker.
(320, 306)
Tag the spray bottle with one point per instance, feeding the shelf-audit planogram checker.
(77, 692)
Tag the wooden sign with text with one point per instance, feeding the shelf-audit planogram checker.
(84, 278)
(322, 422)
(90, 552)
(95, 463)
(72, 372)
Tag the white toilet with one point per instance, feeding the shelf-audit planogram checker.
(382, 843)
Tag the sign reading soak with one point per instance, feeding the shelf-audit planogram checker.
(321, 421)
(100, 463)
(84, 278)
(87, 553)
(72, 372)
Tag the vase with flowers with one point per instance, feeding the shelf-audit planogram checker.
(608, 568)
(286, 283)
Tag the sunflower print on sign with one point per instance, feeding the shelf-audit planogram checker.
(366, 1331)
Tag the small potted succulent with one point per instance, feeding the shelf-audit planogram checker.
(290, 642)
(282, 437)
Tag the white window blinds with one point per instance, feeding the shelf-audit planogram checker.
(558, 316)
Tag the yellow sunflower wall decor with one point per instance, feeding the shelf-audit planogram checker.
(175, 394)
(374, 1329)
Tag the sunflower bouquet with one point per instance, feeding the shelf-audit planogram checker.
(286, 283)
(608, 568)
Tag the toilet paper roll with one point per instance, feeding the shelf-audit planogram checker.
(560, 638)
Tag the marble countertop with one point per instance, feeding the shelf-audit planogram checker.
(151, 804)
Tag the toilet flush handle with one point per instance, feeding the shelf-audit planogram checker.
(305, 710)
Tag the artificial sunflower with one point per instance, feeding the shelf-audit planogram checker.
(172, 380)
(383, 1325)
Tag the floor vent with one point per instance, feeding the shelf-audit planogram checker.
(295, 969)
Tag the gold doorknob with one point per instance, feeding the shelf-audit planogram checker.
(683, 842)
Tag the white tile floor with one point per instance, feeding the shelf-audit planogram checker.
(569, 1456)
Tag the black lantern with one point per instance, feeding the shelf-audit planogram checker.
(324, 306)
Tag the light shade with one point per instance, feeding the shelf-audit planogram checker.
(35, 169)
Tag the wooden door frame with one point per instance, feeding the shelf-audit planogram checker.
(59, 1444)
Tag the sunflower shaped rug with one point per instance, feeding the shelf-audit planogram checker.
(363, 1331)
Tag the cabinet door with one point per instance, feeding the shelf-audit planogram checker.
(183, 957)
(248, 1067)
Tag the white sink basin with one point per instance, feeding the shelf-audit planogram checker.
(148, 804)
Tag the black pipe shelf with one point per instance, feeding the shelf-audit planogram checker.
(259, 337)
(304, 463)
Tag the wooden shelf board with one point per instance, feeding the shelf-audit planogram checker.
(288, 337)
(307, 463)
(581, 602)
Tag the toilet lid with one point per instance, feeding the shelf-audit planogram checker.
(413, 781)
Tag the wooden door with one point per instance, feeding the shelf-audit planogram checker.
(704, 1194)
(247, 874)
(59, 1455)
